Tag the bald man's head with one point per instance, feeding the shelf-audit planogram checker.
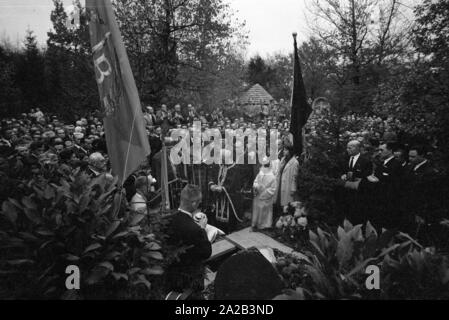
(353, 148)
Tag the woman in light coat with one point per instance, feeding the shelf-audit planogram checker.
(264, 189)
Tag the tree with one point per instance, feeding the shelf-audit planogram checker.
(69, 68)
(259, 72)
(180, 49)
(419, 99)
(30, 73)
(10, 94)
(367, 36)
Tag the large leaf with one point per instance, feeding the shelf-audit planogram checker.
(153, 246)
(137, 219)
(84, 202)
(313, 237)
(92, 247)
(29, 203)
(20, 262)
(97, 275)
(121, 234)
(112, 228)
(118, 276)
(28, 236)
(112, 255)
(356, 233)
(341, 232)
(154, 255)
(133, 271)
(153, 271)
(370, 230)
(32, 215)
(347, 225)
(45, 233)
(71, 257)
(9, 211)
(143, 280)
(16, 203)
(345, 249)
(106, 265)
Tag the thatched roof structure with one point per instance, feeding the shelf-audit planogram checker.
(256, 95)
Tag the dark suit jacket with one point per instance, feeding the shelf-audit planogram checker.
(155, 144)
(390, 173)
(188, 272)
(423, 172)
(362, 168)
(185, 232)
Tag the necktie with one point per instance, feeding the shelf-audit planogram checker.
(351, 164)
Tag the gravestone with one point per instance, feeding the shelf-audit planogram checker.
(247, 276)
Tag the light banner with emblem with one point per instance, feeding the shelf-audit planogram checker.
(126, 137)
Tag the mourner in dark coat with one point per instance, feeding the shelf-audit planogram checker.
(356, 170)
(423, 190)
(386, 191)
(188, 272)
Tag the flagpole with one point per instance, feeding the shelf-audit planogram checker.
(300, 108)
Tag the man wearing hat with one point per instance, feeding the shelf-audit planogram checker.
(264, 188)
(227, 182)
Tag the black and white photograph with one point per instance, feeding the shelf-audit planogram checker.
(224, 154)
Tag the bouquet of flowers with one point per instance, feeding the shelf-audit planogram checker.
(293, 224)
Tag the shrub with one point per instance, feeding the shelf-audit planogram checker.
(84, 222)
(337, 262)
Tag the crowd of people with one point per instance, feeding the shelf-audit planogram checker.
(381, 165)
(382, 180)
(390, 184)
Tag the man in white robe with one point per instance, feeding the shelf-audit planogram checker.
(264, 189)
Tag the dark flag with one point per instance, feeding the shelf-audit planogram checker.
(301, 109)
(126, 137)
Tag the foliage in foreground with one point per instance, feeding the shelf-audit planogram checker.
(337, 263)
(79, 221)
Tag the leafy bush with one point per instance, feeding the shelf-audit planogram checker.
(337, 262)
(84, 222)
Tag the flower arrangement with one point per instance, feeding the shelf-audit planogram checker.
(293, 225)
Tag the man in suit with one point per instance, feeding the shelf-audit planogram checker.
(387, 188)
(188, 272)
(422, 189)
(191, 114)
(358, 166)
(177, 116)
(354, 196)
(155, 141)
(150, 117)
(163, 118)
(421, 167)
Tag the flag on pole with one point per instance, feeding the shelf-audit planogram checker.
(126, 137)
(301, 109)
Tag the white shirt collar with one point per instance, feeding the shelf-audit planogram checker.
(186, 212)
(419, 165)
(355, 158)
(388, 160)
